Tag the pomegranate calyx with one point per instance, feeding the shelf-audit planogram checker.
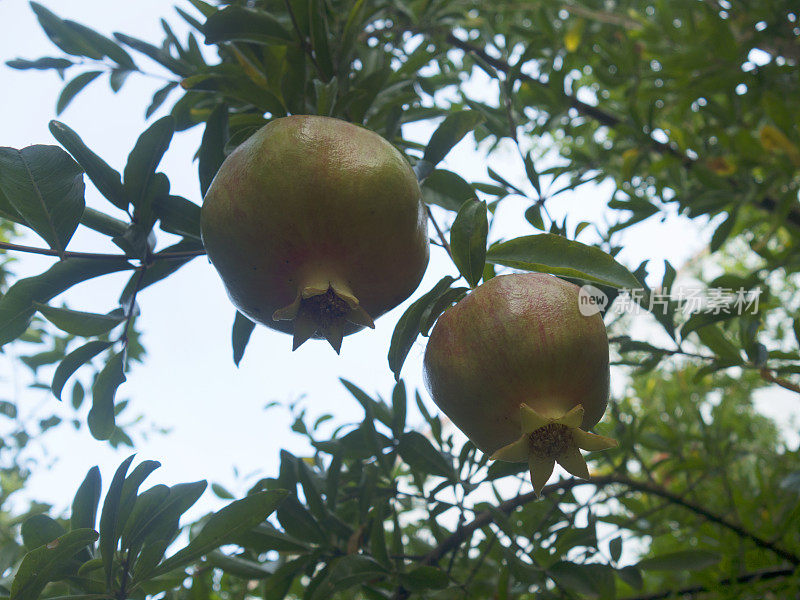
(323, 310)
(546, 440)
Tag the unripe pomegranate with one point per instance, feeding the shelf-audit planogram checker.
(316, 227)
(519, 369)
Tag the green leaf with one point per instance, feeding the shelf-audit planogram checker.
(346, 572)
(163, 522)
(159, 97)
(148, 559)
(265, 537)
(242, 329)
(551, 253)
(145, 505)
(446, 189)
(73, 361)
(17, 305)
(40, 564)
(130, 489)
(424, 578)
(178, 215)
(63, 36)
(143, 160)
(101, 416)
(468, 240)
(223, 526)
(421, 456)
(533, 176)
(103, 45)
(408, 327)
(318, 21)
(592, 580)
(632, 576)
(80, 323)
(796, 327)
(247, 25)
(73, 88)
(240, 567)
(41, 64)
(399, 404)
(534, 216)
(212, 147)
(39, 530)
(107, 181)
(722, 232)
(108, 519)
(684, 560)
(615, 548)
(46, 188)
(84, 505)
(157, 54)
(449, 133)
(714, 337)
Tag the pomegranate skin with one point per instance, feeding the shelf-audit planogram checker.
(517, 339)
(309, 202)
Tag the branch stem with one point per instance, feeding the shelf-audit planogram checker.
(98, 255)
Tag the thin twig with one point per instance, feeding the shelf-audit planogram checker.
(98, 255)
(485, 517)
(768, 375)
(756, 576)
(439, 233)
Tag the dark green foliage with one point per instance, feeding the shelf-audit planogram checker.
(677, 107)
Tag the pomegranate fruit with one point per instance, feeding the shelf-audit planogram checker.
(519, 369)
(316, 227)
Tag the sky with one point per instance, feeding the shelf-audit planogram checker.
(188, 383)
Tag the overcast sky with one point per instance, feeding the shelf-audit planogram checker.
(188, 382)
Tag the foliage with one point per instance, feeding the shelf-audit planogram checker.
(701, 495)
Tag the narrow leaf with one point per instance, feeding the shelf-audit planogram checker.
(408, 327)
(242, 329)
(224, 525)
(212, 147)
(38, 565)
(449, 133)
(551, 253)
(108, 519)
(143, 160)
(420, 455)
(243, 24)
(80, 323)
(73, 88)
(17, 305)
(87, 498)
(45, 185)
(74, 361)
(446, 189)
(106, 180)
(468, 240)
(39, 530)
(101, 416)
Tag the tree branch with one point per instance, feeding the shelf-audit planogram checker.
(439, 233)
(755, 576)
(484, 518)
(99, 256)
(604, 118)
(768, 375)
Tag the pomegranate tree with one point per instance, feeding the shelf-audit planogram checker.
(525, 375)
(316, 227)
